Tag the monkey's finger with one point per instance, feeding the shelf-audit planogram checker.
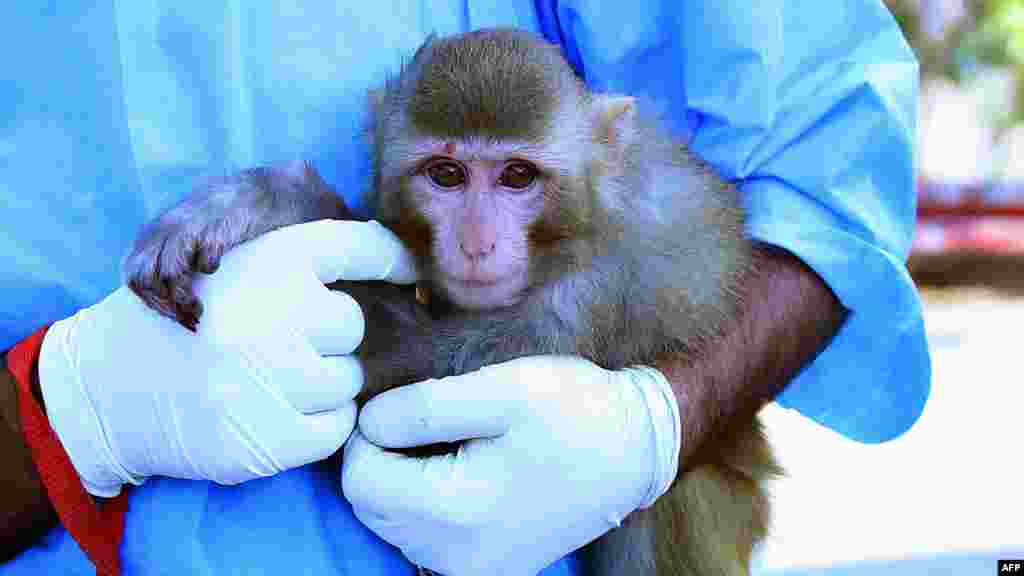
(333, 322)
(445, 410)
(335, 382)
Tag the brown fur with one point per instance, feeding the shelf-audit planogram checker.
(464, 87)
(640, 253)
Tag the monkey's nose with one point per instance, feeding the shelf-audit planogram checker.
(476, 251)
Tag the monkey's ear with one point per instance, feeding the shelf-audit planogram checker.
(615, 118)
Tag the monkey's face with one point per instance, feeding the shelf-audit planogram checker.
(476, 142)
(479, 204)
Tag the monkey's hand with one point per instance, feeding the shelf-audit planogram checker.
(192, 237)
(554, 445)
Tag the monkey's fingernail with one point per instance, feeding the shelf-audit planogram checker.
(208, 262)
(422, 295)
(189, 322)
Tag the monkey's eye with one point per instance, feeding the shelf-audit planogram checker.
(518, 176)
(446, 174)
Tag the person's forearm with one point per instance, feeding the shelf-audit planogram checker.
(789, 318)
(25, 510)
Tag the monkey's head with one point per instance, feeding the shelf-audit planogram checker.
(488, 155)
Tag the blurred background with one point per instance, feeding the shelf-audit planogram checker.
(946, 498)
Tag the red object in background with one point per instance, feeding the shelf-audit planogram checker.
(968, 219)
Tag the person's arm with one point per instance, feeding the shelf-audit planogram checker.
(790, 316)
(97, 529)
(130, 432)
(25, 511)
(810, 108)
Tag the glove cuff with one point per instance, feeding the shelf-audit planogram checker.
(72, 414)
(666, 429)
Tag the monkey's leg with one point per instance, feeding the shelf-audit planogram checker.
(707, 524)
(192, 236)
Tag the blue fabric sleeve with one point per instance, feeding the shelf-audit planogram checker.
(811, 107)
(123, 106)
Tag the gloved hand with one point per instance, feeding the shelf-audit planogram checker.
(564, 451)
(267, 383)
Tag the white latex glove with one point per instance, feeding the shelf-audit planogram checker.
(565, 451)
(132, 394)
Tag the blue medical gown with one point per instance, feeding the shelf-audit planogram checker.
(111, 111)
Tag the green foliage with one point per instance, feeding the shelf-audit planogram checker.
(990, 36)
(996, 40)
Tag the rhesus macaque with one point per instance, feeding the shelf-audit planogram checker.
(545, 219)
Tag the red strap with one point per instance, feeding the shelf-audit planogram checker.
(98, 530)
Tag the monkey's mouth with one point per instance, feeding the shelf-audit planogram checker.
(474, 278)
(480, 292)
(478, 282)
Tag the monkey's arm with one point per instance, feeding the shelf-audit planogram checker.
(25, 511)
(192, 236)
(790, 318)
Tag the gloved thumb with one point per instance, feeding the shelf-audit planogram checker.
(443, 410)
(349, 250)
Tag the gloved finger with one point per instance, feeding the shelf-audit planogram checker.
(345, 250)
(331, 382)
(319, 435)
(382, 485)
(333, 322)
(387, 489)
(474, 405)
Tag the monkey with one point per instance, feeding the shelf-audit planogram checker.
(544, 218)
